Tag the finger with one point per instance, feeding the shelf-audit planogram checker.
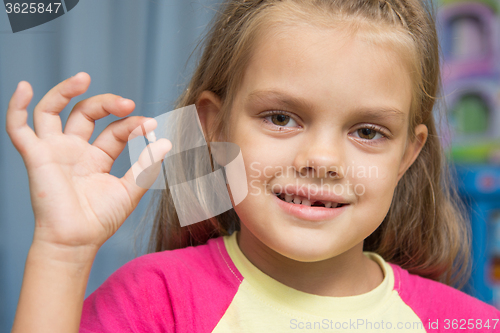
(143, 173)
(81, 120)
(115, 136)
(147, 167)
(21, 135)
(46, 115)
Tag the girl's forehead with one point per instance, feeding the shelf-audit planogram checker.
(327, 67)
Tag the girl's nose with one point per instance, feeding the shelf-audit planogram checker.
(321, 172)
(320, 161)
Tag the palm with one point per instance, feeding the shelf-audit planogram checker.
(75, 199)
(70, 179)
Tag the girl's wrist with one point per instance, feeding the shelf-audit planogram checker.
(55, 276)
(64, 254)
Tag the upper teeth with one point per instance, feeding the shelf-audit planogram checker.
(300, 200)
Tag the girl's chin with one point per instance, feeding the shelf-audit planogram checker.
(306, 249)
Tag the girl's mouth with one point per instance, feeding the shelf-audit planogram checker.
(297, 200)
(305, 210)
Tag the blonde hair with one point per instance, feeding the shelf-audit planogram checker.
(426, 230)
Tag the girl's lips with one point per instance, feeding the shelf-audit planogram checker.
(310, 213)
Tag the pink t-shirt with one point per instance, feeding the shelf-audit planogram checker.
(214, 288)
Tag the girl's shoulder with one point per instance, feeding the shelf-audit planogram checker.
(200, 261)
(205, 270)
(432, 300)
(185, 280)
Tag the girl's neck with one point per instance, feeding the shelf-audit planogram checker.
(348, 274)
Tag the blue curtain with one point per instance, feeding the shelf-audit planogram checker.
(137, 49)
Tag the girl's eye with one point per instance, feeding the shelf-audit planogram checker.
(371, 133)
(281, 118)
(278, 118)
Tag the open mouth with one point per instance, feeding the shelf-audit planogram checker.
(297, 200)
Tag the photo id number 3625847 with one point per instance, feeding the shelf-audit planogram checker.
(33, 7)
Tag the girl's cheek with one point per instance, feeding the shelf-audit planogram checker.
(268, 163)
(373, 181)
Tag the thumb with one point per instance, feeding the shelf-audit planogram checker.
(143, 173)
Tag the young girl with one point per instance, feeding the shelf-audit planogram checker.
(350, 223)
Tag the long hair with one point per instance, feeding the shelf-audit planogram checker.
(426, 229)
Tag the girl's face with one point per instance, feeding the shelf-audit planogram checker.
(341, 129)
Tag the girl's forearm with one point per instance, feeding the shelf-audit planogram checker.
(53, 289)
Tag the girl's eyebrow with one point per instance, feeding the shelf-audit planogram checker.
(376, 113)
(381, 113)
(257, 96)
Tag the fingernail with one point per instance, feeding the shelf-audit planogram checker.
(19, 99)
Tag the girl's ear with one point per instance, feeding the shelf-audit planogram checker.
(208, 106)
(413, 148)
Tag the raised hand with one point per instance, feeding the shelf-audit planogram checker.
(76, 202)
